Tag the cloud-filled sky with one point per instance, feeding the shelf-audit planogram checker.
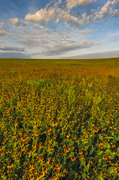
(59, 28)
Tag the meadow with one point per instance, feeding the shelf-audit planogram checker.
(59, 119)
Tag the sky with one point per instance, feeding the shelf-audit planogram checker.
(59, 28)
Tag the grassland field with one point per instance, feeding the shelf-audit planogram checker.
(59, 119)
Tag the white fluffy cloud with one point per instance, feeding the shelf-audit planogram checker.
(46, 15)
(41, 15)
(104, 9)
(56, 13)
(73, 3)
(14, 21)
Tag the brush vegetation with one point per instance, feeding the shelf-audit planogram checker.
(59, 119)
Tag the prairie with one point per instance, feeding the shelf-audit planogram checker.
(59, 119)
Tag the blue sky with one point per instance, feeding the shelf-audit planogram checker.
(59, 28)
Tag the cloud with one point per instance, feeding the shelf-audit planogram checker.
(47, 15)
(104, 9)
(115, 1)
(53, 13)
(74, 3)
(42, 15)
(63, 36)
(14, 55)
(64, 15)
(14, 21)
(85, 31)
(2, 33)
(59, 49)
(57, 14)
(1, 25)
(12, 49)
(44, 41)
(107, 10)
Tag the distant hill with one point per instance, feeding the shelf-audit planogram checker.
(111, 54)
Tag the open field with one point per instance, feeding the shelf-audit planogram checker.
(59, 119)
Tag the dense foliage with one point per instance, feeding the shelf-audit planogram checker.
(59, 119)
